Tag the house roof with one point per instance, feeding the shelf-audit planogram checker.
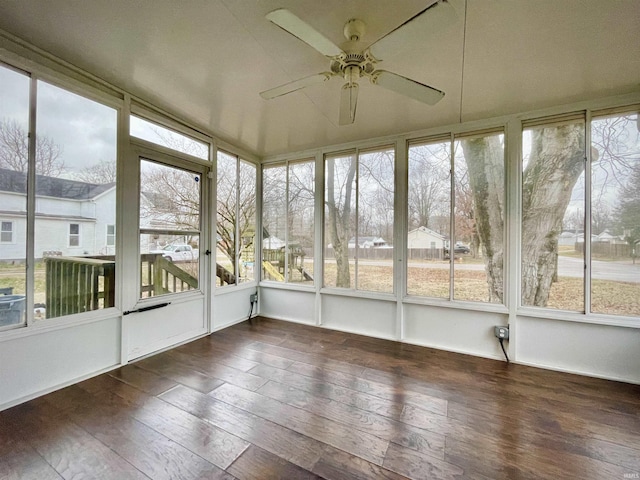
(16, 182)
(427, 231)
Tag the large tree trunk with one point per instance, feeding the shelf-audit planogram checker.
(338, 222)
(485, 162)
(555, 164)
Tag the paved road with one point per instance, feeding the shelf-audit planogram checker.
(623, 271)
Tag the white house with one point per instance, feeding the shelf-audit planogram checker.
(367, 242)
(423, 237)
(72, 217)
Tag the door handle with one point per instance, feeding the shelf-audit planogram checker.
(208, 252)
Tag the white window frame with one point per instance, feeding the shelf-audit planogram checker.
(73, 235)
(111, 236)
(11, 231)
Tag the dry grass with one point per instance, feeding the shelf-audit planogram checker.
(608, 297)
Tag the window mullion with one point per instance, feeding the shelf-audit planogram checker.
(31, 200)
(286, 225)
(452, 217)
(587, 213)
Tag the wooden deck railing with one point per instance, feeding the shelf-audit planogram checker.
(78, 284)
(83, 284)
(160, 276)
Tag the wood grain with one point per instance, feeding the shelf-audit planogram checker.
(282, 400)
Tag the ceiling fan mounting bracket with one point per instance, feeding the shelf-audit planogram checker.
(354, 29)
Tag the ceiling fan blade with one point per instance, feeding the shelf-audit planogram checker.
(295, 85)
(348, 103)
(305, 32)
(433, 19)
(406, 86)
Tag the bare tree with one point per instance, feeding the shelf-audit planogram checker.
(340, 200)
(14, 151)
(429, 185)
(102, 172)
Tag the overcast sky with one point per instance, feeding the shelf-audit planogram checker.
(86, 130)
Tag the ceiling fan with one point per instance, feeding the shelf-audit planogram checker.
(356, 60)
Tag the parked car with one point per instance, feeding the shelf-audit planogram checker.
(459, 248)
(179, 253)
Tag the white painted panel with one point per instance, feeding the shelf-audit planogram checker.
(231, 305)
(292, 305)
(596, 350)
(464, 331)
(376, 318)
(161, 328)
(38, 363)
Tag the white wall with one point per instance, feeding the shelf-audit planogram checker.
(36, 364)
(291, 305)
(231, 305)
(598, 350)
(456, 330)
(359, 315)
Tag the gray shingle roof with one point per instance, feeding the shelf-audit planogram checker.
(16, 182)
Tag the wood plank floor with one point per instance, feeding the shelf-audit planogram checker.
(281, 400)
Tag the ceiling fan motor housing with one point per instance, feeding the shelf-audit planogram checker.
(354, 29)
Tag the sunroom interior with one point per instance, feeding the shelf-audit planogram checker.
(510, 202)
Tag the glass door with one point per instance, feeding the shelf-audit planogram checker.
(172, 284)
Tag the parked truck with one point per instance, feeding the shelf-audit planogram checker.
(179, 253)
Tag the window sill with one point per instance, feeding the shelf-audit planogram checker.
(287, 286)
(52, 324)
(456, 304)
(577, 317)
(385, 297)
(235, 288)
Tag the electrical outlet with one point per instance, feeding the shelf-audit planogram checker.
(501, 332)
(254, 297)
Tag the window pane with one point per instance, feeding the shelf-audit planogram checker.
(478, 250)
(553, 216)
(226, 218)
(374, 247)
(247, 221)
(274, 214)
(169, 229)
(340, 221)
(429, 198)
(301, 222)
(14, 126)
(75, 200)
(615, 215)
(152, 132)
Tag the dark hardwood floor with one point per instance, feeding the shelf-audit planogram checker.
(281, 400)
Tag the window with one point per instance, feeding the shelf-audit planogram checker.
(288, 222)
(75, 198)
(74, 235)
(14, 127)
(170, 224)
(466, 262)
(553, 212)
(479, 218)
(111, 235)
(165, 137)
(359, 220)
(236, 212)
(615, 214)
(429, 197)
(6, 232)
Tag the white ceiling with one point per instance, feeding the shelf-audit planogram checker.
(207, 60)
